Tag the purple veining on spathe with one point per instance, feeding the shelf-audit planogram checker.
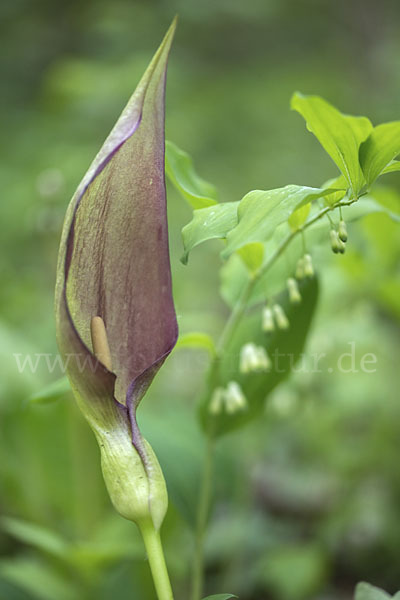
(70, 239)
(166, 336)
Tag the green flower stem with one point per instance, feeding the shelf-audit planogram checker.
(155, 554)
(203, 508)
(224, 341)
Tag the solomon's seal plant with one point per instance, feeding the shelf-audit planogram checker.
(115, 314)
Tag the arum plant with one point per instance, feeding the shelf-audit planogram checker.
(115, 314)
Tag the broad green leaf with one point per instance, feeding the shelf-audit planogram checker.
(340, 135)
(220, 597)
(52, 392)
(338, 183)
(234, 276)
(261, 212)
(34, 535)
(209, 223)
(180, 171)
(299, 217)
(393, 166)
(379, 150)
(196, 339)
(283, 347)
(252, 255)
(365, 591)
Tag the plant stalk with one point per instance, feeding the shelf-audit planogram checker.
(155, 554)
(203, 509)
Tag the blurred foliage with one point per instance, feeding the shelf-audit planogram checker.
(307, 499)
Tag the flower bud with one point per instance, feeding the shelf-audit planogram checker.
(137, 490)
(280, 316)
(300, 269)
(342, 246)
(293, 289)
(267, 320)
(217, 401)
(234, 398)
(253, 358)
(342, 231)
(334, 241)
(308, 266)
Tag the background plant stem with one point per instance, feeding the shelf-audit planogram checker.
(203, 508)
(155, 554)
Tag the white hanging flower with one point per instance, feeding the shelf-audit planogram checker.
(280, 316)
(234, 398)
(267, 320)
(217, 401)
(293, 289)
(253, 358)
(308, 266)
(342, 231)
(337, 244)
(334, 240)
(264, 360)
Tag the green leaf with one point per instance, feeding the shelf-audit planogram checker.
(261, 212)
(252, 255)
(179, 169)
(283, 347)
(209, 223)
(393, 166)
(234, 275)
(196, 339)
(338, 183)
(52, 392)
(379, 150)
(340, 135)
(40, 537)
(365, 591)
(220, 597)
(299, 217)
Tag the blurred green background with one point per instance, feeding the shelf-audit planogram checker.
(307, 500)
